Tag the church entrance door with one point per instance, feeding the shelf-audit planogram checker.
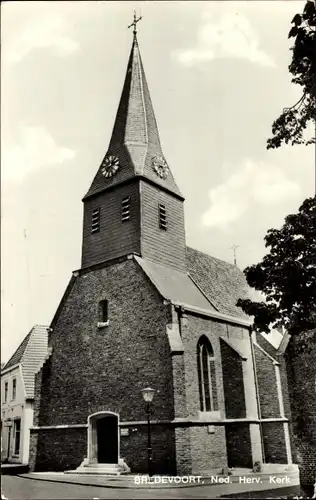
(107, 439)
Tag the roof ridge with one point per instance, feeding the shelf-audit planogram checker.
(19, 356)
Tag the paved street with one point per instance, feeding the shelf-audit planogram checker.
(18, 488)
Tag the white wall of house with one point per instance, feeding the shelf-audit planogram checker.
(13, 408)
(28, 422)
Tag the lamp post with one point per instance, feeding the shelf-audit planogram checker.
(148, 395)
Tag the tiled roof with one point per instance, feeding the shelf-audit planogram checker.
(209, 284)
(30, 354)
(135, 137)
(223, 283)
(174, 285)
(18, 354)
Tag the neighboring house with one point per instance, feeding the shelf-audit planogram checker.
(17, 392)
(146, 310)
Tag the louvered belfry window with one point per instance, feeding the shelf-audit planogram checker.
(95, 220)
(162, 217)
(126, 208)
(206, 375)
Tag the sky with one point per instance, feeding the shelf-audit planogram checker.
(218, 77)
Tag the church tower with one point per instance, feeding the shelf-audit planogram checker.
(134, 204)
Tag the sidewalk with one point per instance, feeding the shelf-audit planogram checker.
(128, 481)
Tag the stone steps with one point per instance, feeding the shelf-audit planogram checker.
(99, 469)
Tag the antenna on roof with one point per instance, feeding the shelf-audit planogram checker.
(234, 247)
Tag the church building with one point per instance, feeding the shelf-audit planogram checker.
(144, 310)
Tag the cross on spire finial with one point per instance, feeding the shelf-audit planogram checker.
(134, 23)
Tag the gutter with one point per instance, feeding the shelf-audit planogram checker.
(257, 394)
(283, 344)
(10, 368)
(213, 314)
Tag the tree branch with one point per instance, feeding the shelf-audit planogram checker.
(285, 110)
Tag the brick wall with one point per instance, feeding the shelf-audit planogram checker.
(208, 450)
(33, 450)
(284, 376)
(301, 376)
(183, 451)
(274, 443)
(192, 329)
(58, 449)
(238, 445)
(235, 406)
(134, 449)
(94, 370)
(269, 403)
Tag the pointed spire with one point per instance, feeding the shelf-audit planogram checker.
(135, 148)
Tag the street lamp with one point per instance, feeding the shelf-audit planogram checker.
(148, 395)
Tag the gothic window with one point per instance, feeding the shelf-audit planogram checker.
(206, 374)
(95, 220)
(162, 217)
(126, 209)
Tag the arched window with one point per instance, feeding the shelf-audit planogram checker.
(206, 372)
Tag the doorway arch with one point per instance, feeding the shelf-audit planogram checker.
(103, 438)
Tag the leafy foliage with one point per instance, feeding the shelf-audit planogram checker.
(286, 275)
(292, 123)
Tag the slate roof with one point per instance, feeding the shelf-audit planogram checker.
(30, 355)
(174, 285)
(210, 283)
(135, 137)
(223, 283)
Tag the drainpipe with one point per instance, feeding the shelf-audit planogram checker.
(257, 392)
(179, 310)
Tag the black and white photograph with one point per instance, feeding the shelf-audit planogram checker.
(158, 249)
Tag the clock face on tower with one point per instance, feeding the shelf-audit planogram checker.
(110, 166)
(160, 166)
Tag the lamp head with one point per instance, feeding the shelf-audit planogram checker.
(148, 394)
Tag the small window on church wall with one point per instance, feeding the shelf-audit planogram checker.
(95, 220)
(162, 217)
(126, 209)
(206, 375)
(103, 311)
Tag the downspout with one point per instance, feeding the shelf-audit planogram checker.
(257, 393)
(179, 311)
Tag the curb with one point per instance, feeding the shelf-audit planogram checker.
(218, 490)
